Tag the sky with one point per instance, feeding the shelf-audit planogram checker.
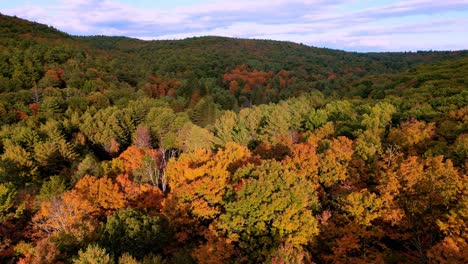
(366, 25)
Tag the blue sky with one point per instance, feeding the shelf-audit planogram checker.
(366, 25)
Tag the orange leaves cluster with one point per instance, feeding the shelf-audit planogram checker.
(249, 79)
(44, 252)
(216, 250)
(202, 177)
(67, 213)
(454, 247)
(303, 160)
(77, 211)
(143, 196)
(242, 77)
(102, 193)
(34, 107)
(353, 243)
(198, 182)
(412, 133)
(421, 183)
(132, 157)
(158, 87)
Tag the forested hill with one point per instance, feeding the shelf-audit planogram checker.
(212, 56)
(219, 150)
(31, 51)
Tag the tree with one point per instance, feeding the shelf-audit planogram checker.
(93, 255)
(18, 163)
(204, 112)
(454, 247)
(67, 213)
(418, 193)
(52, 78)
(9, 206)
(45, 252)
(130, 230)
(51, 188)
(225, 128)
(368, 142)
(143, 196)
(216, 249)
(286, 253)
(146, 165)
(198, 182)
(303, 161)
(364, 206)
(102, 193)
(333, 162)
(316, 119)
(88, 166)
(165, 125)
(411, 133)
(350, 242)
(277, 123)
(142, 137)
(126, 258)
(272, 206)
(133, 156)
(192, 137)
(201, 178)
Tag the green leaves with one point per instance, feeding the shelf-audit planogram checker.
(133, 231)
(273, 206)
(10, 207)
(316, 119)
(230, 127)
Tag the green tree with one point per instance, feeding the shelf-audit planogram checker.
(10, 207)
(316, 119)
(51, 188)
(192, 137)
(273, 206)
(130, 230)
(276, 123)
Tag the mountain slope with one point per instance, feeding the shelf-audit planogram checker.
(221, 52)
(235, 72)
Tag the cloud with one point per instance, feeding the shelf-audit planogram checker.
(349, 25)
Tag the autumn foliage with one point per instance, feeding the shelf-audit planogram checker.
(217, 150)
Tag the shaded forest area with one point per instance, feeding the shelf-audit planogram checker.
(219, 150)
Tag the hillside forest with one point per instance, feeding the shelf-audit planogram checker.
(220, 150)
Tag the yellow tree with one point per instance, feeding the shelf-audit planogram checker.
(417, 193)
(198, 182)
(273, 207)
(333, 162)
(202, 177)
(454, 247)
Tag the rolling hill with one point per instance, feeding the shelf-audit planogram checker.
(28, 50)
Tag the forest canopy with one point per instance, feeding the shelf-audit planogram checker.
(220, 150)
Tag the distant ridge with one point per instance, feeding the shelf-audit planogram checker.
(131, 61)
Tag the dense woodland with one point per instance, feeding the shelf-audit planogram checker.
(219, 150)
